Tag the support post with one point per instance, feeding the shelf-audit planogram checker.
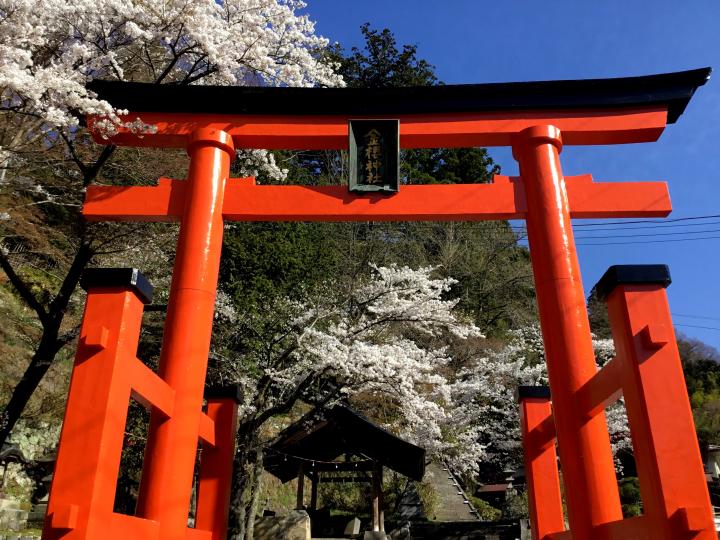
(86, 471)
(378, 517)
(672, 480)
(585, 453)
(314, 491)
(541, 469)
(216, 463)
(300, 502)
(172, 442)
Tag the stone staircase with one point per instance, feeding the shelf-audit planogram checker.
(456, 519)
(451, 502)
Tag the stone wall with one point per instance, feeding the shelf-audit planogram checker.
(294, 526)
(12, 517)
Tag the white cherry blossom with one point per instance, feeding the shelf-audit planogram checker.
(50, 49)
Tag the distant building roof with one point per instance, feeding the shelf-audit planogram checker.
(325, 435)
(492, 488)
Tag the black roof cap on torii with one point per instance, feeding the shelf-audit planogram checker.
(672, 90)
(324, 435)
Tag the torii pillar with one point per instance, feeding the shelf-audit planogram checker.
(585, 451)
(172, 445)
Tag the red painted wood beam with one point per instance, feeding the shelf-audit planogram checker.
(604, 389)
(581, 127)
(541, 437)
(635, 528)
(541, 467)
(216, 468)
(670, 467)
(502, 199)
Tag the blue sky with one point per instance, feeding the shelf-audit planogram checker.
(476, 41)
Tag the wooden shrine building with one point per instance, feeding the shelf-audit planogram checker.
(339, 441)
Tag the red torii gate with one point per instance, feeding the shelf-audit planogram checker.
(536, 119)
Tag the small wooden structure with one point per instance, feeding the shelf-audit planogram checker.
(313, 445)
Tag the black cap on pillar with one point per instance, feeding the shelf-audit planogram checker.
(526, 392)
(632, 274)
(131, 278)
(232, 391)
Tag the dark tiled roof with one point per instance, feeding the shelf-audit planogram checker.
(672, 90)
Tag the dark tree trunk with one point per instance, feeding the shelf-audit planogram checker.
(240, 484)
(51, 318)
(51, 315)
(255, 498)
(39, 364)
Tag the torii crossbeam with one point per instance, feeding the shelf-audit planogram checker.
(504, 198)
(535, 119)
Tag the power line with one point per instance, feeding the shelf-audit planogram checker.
(647, 221)
(701, 327)
(647, 241)
(492, 229)
(696, 317)
(612, 237)
(606, 237)
(499, 229)
(648, 224)
(656, 226)
(651, 225)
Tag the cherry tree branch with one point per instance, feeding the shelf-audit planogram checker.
(22, 288)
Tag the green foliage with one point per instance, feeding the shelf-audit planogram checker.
(267, 260)
(355, 497)
(487, 511)
(277, 496)
(25, 533)
(494, 278)
(345, 497)
(16, 336)
(447, 166)
(380, 64)
(630, 496)
(516, 506)
(598, 315)
(701, 365)
(428, 496)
